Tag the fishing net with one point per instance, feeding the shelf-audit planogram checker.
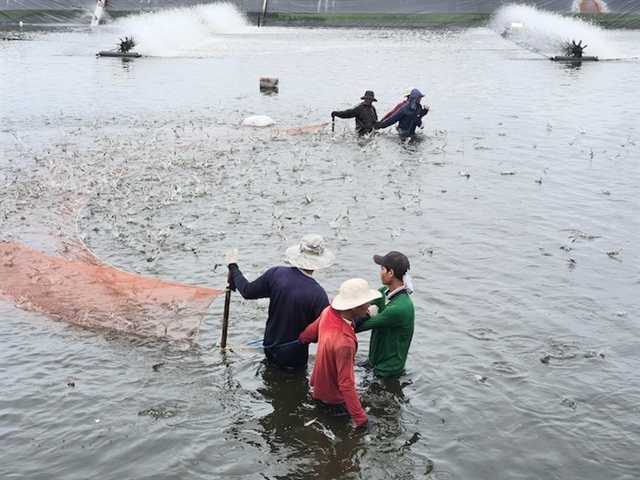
(90, 293)
(141, 214)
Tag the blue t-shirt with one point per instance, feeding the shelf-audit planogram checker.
(295, 301)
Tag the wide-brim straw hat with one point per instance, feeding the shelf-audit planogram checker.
(353, 293)
(311, 254)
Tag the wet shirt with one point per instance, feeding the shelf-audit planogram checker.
(333, 377)
(295, 301)
(391, 332)
(393, 110)
(407, 116)
(365, 115)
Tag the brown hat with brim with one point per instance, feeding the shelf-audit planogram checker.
(368, 95)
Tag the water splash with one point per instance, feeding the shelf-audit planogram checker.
(548, 33)
(183, 31)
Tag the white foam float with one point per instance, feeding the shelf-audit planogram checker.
(258, 121)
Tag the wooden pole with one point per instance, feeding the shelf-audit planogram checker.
(225, 314)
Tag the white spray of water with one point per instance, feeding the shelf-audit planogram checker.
(183, 31)
(548, 33)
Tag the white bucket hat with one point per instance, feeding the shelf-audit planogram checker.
(310, 254)
(353, 293)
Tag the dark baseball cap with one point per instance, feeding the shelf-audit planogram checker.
(396, 261)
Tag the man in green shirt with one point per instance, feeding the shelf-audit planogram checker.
(392, 327)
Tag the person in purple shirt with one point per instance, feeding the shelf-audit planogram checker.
(295, 298)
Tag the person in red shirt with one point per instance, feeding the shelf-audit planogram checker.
(398, 105)
(333, 377)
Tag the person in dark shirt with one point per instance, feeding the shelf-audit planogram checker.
(408, 116)
(295, 298)
(403, 102)
(364, 113)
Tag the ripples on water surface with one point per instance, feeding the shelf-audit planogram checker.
(518, 209)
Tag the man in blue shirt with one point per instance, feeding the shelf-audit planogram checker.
(408, 116)
(295, 298)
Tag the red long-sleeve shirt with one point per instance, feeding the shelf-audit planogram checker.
(393, 110)
(333, 377)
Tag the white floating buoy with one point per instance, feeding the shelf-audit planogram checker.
(268, 83)
(258, 121)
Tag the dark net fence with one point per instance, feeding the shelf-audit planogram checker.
(360, 13)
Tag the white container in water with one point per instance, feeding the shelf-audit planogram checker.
(270, 83)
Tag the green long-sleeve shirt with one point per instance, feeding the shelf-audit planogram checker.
(391, 333)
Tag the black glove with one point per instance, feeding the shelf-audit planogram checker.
(366, 427)
(357, 321)
(365, 364)
(376, 125)
(232, 268)
(333, 115)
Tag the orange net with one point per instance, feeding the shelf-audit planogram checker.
(306, 129)
(94, 294)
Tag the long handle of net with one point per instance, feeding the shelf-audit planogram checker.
(225, 314)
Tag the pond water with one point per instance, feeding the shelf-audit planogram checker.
(518, 206)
